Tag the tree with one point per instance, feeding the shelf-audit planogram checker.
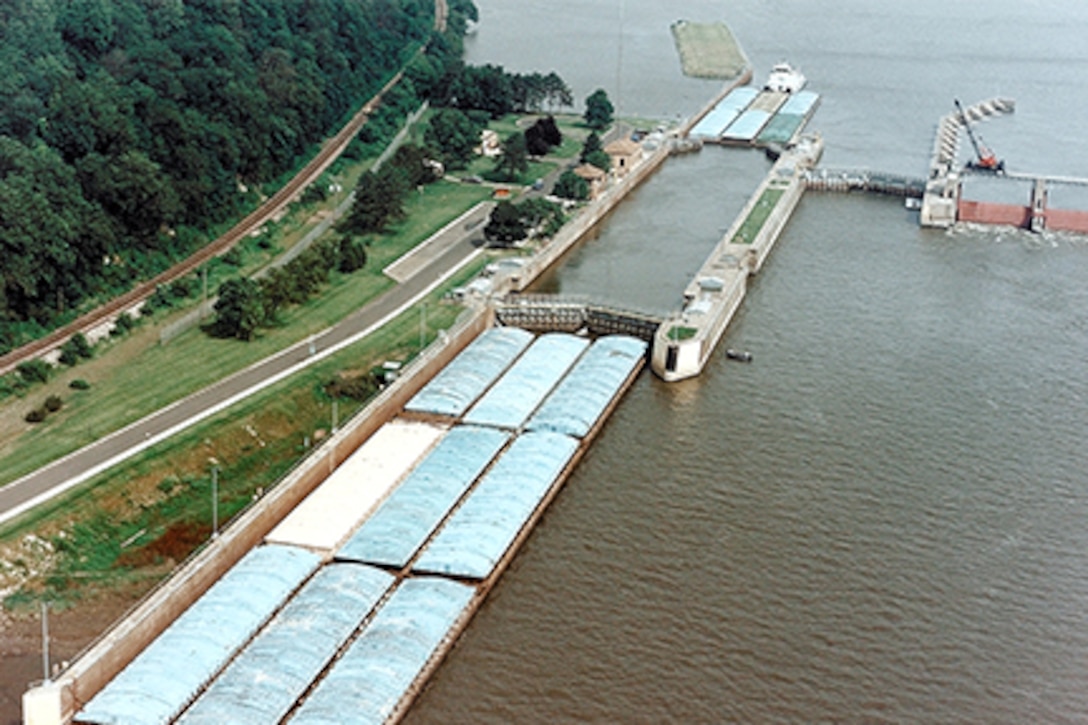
(239, 309)
(599, 159)
(593, 153)
(352, 255)
(556, 92)
(455, 135)
(379, 199)
(542, 136)
(571, 186)
(592, 143)
(515, 157)
(505, 225)
(599, 110)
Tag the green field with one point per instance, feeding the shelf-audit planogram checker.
(758, 216)
(708, 50)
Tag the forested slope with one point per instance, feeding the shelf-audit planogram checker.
(126, 125)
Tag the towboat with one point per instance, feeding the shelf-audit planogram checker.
(784, 78)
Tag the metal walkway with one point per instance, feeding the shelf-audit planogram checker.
(570, 313)
(824, 179)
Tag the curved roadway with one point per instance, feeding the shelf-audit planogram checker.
(438, 259)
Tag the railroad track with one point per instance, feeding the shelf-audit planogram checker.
(330, 150)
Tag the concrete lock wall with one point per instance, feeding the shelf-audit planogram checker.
(591, 215)
(57, 702)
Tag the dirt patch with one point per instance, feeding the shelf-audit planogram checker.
(172, 547)
(70, 631)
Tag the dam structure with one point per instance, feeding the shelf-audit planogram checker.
(343, 587)
(686, 339)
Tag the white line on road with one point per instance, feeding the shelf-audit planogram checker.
(221, 405)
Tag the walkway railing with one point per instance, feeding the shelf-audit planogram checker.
(570, 313)
(877, 182)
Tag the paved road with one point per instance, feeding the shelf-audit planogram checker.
(458, 248)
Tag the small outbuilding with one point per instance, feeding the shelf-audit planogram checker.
(594, 176)
(625, 154)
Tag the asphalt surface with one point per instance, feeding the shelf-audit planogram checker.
(455, 246)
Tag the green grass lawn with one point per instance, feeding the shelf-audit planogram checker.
(758, 216)
(681, 332)
(137, 376)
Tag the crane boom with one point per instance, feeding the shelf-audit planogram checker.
(986, 160)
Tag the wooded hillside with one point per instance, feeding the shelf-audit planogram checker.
(128, 125)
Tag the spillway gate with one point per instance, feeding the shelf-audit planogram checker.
(571, 313)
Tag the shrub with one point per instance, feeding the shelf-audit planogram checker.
(357, 388)
(160, 299)
(182, 288)
(79, 384)
(53, 403)
(34, 371)
(36, 416)
(122, 325)
(233, 257)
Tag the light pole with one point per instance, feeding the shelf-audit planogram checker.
(45, 640)
(215, 501)
(422, 325)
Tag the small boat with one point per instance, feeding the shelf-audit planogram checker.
(784, 78)
(739, 355)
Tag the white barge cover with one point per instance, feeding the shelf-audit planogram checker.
(405, 520)
(334, 509)
(263, 683)
(517, 394)
(576, 405)
(366, 684)
(477, 535)
(155, 686)
(468, 375)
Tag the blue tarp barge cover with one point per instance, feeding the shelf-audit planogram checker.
(468, 375)
(156, 685)
(517, 394)
(399, 527)
(747, 126)
(477, 535)
(723, 114)
(576, 405)
(263, 683)
(365, 685)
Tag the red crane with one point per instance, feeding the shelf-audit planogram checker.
(985, 158)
